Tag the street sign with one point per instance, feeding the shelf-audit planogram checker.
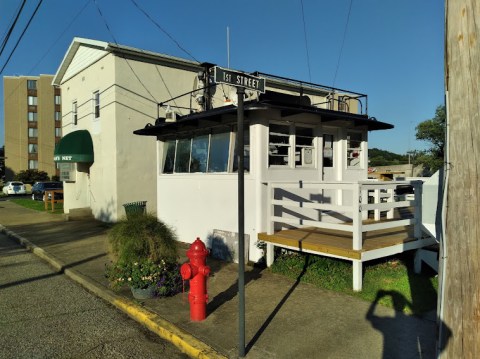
(239, 79)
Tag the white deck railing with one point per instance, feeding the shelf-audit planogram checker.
(305, 203)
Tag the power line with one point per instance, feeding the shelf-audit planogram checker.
(306, 43)
(163, 30)
(12, 26)
(343, 42)
(116, 43)
(21, 36)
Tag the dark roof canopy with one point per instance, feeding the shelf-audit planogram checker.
(227, 115)
(76, 146)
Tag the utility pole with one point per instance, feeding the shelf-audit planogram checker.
(459, 310)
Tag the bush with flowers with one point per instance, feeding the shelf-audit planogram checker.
(144, 252)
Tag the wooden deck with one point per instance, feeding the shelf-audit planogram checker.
(339, 243)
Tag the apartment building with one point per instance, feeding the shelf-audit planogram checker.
(32, 118)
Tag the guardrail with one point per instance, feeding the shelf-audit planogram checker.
(305, 203)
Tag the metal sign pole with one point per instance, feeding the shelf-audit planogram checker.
(241, 225)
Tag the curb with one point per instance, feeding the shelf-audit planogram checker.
(184, 341)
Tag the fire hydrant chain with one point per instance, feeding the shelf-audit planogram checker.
(197, 272)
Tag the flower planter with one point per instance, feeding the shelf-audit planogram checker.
(147, 293)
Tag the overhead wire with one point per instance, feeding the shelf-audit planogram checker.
(116, 43)
(164, 31)
(343, 43)
(21, 36)
(12, 26)
(306, 42)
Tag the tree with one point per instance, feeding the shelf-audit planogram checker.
(31, 176)
(432, 131)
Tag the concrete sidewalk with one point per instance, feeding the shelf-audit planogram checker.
(284, 319)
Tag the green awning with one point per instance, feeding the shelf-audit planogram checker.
(76, 146)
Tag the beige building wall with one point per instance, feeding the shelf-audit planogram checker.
(17, 125)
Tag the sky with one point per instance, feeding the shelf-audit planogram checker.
(393, 51)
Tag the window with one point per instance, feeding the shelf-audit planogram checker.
(32, 116)
(182, 156)
(219, 152)
(32, 132)
(354, 149)
(246, 152)
(74, 113)
(58, 132)
(58, 116)
(200, 154)
(327, 150)
(58, 100)
(96, 104)
(304, 147)
(31, 84)
(32, 100)
(32, 164)
(278, 145)
(32, 148)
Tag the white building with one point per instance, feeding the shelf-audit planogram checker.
(109, 91)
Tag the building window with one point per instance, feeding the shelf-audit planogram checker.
(58, 132)
(32, 164)
(354, 149)
(96, 104)
(32, 133)
(278, 145)
(32, 148)
(327, 150)
(32, 116)
(58, 100)
(304, 147)
(32, 100)
(74, 113)
(31, 84)
(200, 154)
(58, 116)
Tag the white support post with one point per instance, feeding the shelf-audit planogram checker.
(270, 209)
(390, 213)
(376, 200)
(417, 229)
(357, 275)
(356, 217)
(364, 201)
(270, 254)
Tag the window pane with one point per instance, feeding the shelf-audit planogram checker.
(304, 149)
(31, 84)
(327, 150)
(199, 154)
(58, 100)
(58, 132)
(96, 101)
(32, 164)
(32, 116)
(32, 100)
(246, 152)
(279, 145)
(218, 156)
(169, 156)
(32, 148)
(182, 158)
(354, 148)
(58, 116)
(32, 132)
(74, 113)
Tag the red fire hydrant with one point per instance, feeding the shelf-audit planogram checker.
(197, 272)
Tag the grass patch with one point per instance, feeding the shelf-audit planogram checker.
(37, 205)
(394, 275)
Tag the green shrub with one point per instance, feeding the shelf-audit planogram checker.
(142, 237)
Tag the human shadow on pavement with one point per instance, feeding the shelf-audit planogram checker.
(400, 336)
(279, 306)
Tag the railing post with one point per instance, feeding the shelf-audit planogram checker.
(376, 200)
(357, 217)
(417, 229)
(364, 201)
(390, 213)
(270, 208)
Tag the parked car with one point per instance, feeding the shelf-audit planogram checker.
(14, 187)
(39, 188)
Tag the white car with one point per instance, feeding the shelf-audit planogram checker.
(14, 187)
